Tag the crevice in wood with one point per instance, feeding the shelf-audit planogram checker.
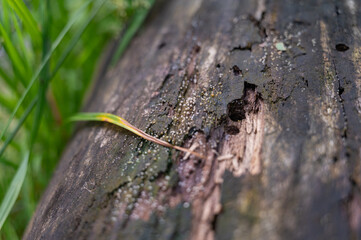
(258, 24)
(243, 48)
(340, 90)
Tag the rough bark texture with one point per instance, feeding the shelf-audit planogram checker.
(269, 91)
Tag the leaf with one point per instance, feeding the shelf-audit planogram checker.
(13, 191)
(13, 54)
(18, 125)
(20, 41)
(27, 19)
(7, 101)
(7, 79)
(111, 118)
(44, 75)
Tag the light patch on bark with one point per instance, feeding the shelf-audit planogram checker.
(329, 111)
(356, 59)
(210, 59)
(261, 8)
(351, 6)
(245, 147)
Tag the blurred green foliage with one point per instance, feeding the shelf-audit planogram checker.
(57, 45)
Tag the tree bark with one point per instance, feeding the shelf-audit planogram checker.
(268, 91)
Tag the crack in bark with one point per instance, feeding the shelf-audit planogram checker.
(340, 90)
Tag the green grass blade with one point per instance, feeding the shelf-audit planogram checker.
(28, 20)
(40, 68)
(9, 232)
(20, 39)
(19, 124)
(135, 24)
(8, 163)
(121, 122)
(7, 79)
(103, 117)
(13, 54)
(13, 191)
(7, 102)
(44, 75)
(5, 9)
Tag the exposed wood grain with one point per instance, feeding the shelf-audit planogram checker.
(281, 130)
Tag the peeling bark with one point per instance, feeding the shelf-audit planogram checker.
(280, 129)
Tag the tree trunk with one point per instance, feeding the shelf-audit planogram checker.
(268, 91)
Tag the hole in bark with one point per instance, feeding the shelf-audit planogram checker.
(231, 130)
(249, 86)
(248, 47)
(340, 90)
(301, 22)
(306, 82)
(250, 102)
(342, 47)
(236, 70)
(235, 110)
(162, 45)
(197, 162)
(192, 131)
(352, 181)
(197, 48)
(218, 65)
(266, 68)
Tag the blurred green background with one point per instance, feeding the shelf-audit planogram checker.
(50, 52)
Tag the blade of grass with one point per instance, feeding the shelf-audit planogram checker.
(13, 191)
(111, 118)
(20, 40)
(42, 65)
(5, 15)
(19, 124)
(9, 231)
(135, 24)
(7, 79)
(27, 19)
(44, 75)
(14, 56)
(7, 101)
(8, 163)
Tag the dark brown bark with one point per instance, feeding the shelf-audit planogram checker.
(269, 91)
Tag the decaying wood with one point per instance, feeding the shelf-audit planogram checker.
(280, 128)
